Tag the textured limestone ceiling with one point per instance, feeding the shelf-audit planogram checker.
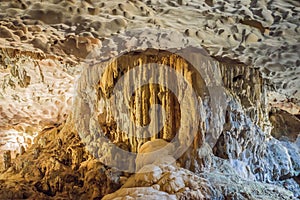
(43, 43)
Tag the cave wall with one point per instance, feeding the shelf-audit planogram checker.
(41, 41)
(234, 125)
(233, 119)
(95, 107)
(36, 93)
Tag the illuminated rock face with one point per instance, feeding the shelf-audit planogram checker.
(241, 139)
(229, 138)
(96, 113)
(36, 93)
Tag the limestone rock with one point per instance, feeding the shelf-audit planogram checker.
(73, 126)
(285, 125)
(148, 152)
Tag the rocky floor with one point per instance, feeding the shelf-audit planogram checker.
(57, 166)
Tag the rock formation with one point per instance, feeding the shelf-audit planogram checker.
(149, 99)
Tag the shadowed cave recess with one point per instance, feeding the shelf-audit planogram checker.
(116, 100)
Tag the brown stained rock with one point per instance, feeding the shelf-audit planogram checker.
(285, 125)
(209, 2)
(5, 32)
(41, 44)
(255, 24)
(7, 159)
